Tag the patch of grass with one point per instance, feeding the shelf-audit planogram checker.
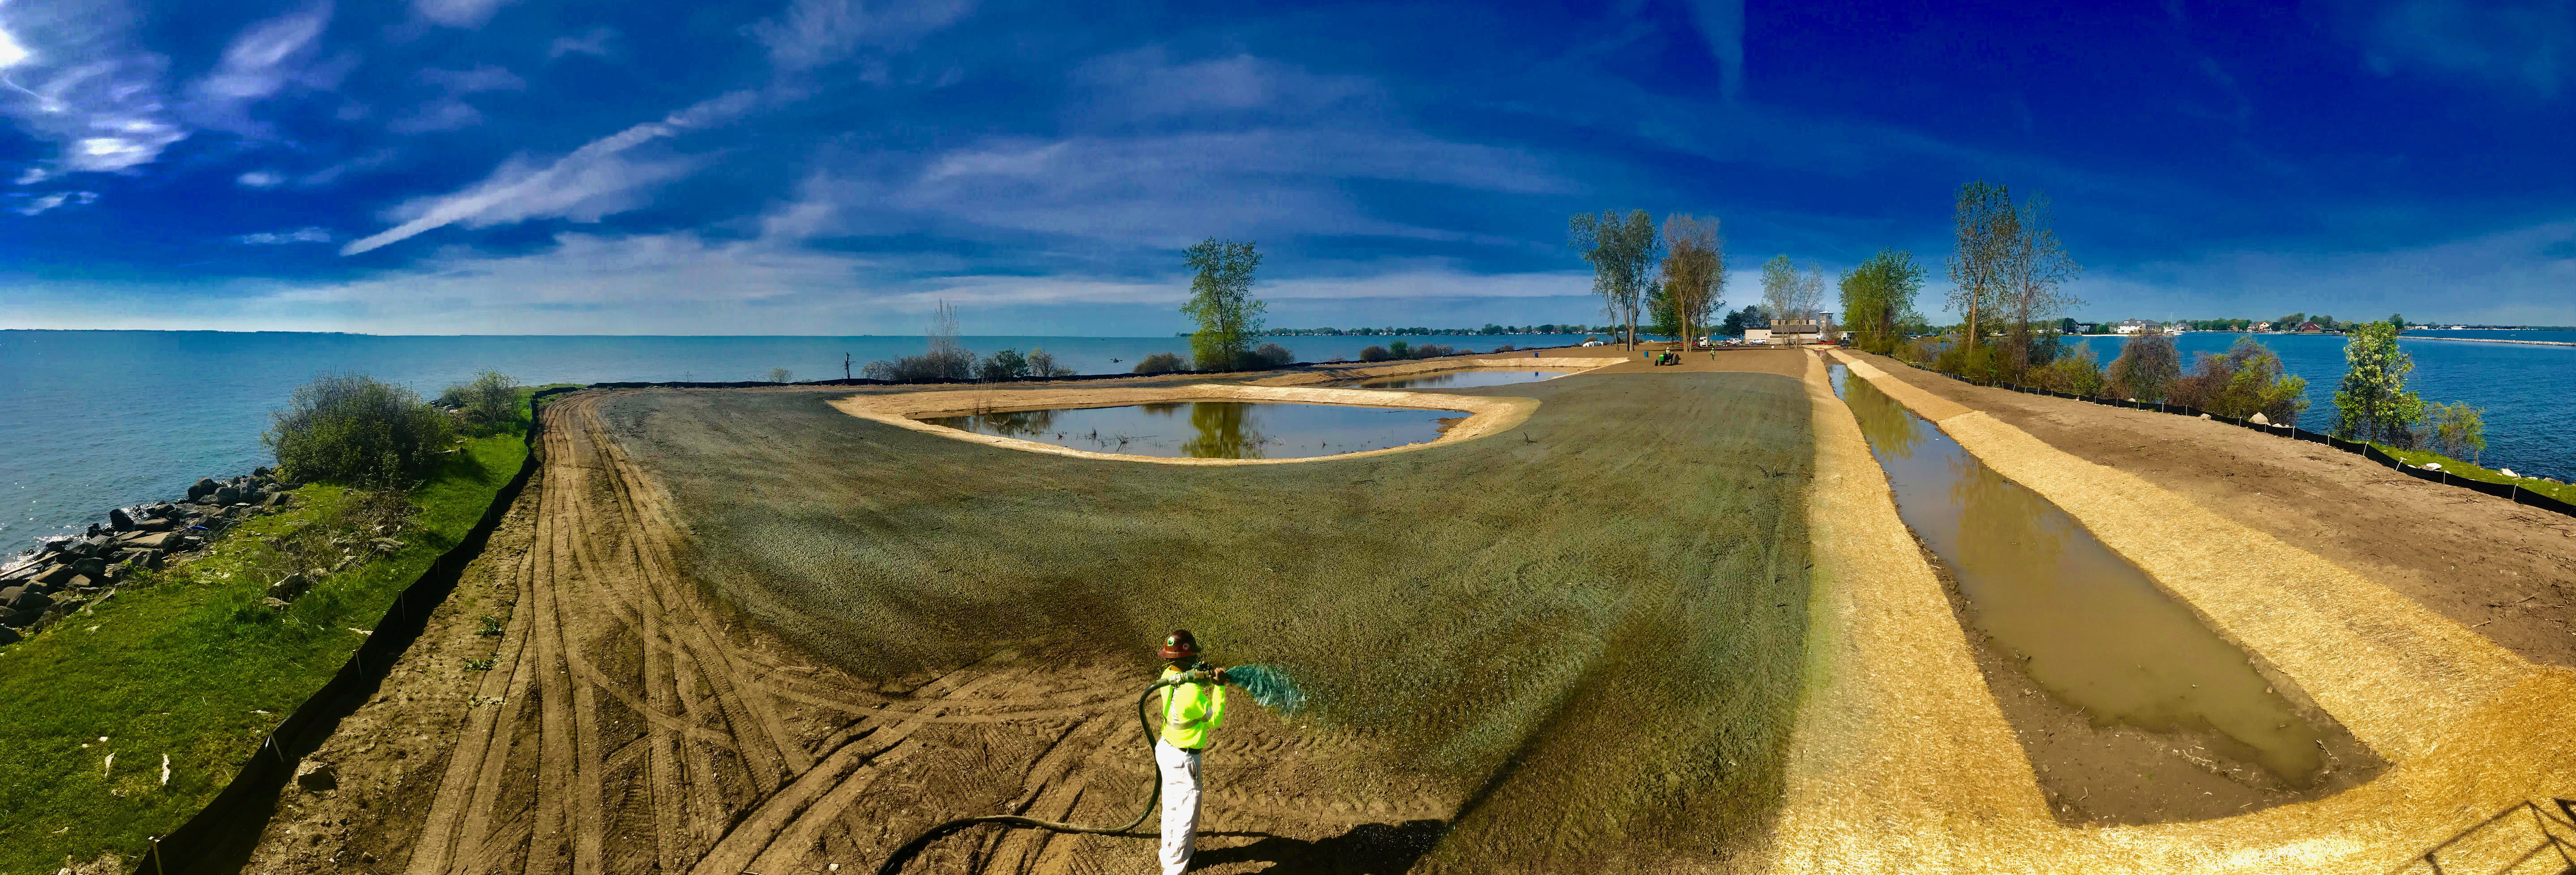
(187, 663)
(2457, 468)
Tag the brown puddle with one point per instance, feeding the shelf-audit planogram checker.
(2131, 709)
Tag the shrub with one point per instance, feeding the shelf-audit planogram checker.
(2458, 430)
(2078, 373)
(1984, 362)
(2146, 369)
(1505, 348)
(2246, 381)
(1003, 365)
(781, 375)
(488, 403)
(946, 360)
(1042, 364)
(1270, 355)
(1159, 363)
(353, 428)
(1399, 349)
(1377, 353)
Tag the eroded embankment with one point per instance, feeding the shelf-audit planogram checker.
(2467, 727)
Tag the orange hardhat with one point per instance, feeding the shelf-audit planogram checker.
(1180, 645)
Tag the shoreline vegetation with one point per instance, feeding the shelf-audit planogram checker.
(129, 710)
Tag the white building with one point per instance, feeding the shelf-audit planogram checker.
(1791, 331)
(2129, 326)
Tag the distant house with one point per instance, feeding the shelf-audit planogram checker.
(2309, 328)
(2083, 328)
(2262, 326)
(1795, 330)
(1757, 335)
(2129, 326)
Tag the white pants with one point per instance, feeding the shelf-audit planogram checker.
(1180, 770)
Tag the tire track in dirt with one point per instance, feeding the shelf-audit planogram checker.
(621, 700)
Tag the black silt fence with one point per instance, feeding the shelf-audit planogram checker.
(219, 838)
(2510, 491)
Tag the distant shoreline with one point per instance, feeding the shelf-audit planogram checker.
(2493, 340)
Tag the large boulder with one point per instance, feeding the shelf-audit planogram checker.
(228, 495)
(205, 486)
(8, 636)
(119, 520)
(151, 541)
(279, 499)
(24, 600)
(10, 594)
(56, 575)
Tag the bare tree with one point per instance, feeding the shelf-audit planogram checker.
(1779, 288)
(2033, 270)
(1986, 226)
(1810, 301)
(1622, 252)
(1694, 271)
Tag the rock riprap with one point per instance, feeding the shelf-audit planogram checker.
(63, 574)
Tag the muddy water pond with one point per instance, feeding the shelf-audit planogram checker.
(1215, 429)
(1458, 379)
(2082, 626)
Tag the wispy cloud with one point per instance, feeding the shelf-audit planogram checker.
(595, 180)
(1721, 25)
(261, 61)
(814, 33)
(457, 13)
(2529, 43)
(77, 80)
(592, 42)
(273, 238)
(38, 205)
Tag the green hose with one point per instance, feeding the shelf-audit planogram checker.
(1267, 686)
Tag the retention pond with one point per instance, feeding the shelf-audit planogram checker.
(1462, 379)
(2131, 708)
(1215, 429)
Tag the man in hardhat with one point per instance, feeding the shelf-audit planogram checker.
(1190, 710)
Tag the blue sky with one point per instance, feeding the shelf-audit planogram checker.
(832, 167)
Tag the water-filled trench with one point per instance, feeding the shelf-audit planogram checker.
(2084, 625)
(1215, 429)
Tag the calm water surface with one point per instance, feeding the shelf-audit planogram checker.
(2096, 632)
(1214, 429)
(2529, 392)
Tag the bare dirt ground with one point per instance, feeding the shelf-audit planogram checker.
(2504, 569)
(744, 632)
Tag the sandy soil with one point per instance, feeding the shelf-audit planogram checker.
(744, 631)
(1902, 763)
(2504, 569)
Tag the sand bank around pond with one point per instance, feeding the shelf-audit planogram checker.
(1486, 415)
(1902, 761)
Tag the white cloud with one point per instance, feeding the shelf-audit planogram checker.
(594, 181)
(593, 42)
(260, 179)
(299, 235)
(263, 58)
(814, 33)
(47, 202)
(457, 13)
(1144, 84)
(75, 79)
(484, 77)
(1721, 24)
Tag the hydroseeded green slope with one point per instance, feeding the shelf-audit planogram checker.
(1591, 627)
(186, 665)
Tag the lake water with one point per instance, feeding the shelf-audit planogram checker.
(91, 420)
(1214, 429)
(2529, 392)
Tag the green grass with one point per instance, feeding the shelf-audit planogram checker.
(185, 663)
(2457, 468)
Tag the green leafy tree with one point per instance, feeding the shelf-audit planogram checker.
(2374, 404)
(1694, 277)
(356, 429)
(2034, 270)
(487, 403)
(2146, 369)
(1878, 299)
(2459, 430)
(2246, 381)
(1622, 251)
(1221, 300)
(1986, 227)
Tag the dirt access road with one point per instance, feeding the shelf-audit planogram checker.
(747, 632)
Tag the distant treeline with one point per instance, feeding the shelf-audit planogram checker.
(1490, 328)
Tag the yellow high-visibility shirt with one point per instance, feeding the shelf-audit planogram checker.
(1190, 710)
